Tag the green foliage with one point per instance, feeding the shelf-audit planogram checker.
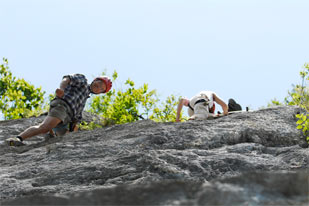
(89, 126)
(274, 102)
(300, 93)
(167, 112)
(131, 104)
(303, 124)
(300, 97)
(18, 98)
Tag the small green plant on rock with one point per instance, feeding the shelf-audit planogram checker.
(300, 97)
(89, 125)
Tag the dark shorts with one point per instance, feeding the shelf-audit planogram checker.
(60, 109)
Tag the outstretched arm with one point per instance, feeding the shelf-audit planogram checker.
(182, 102)
(221, 103)
(64, 83)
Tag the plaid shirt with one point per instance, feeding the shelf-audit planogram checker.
(76, 94)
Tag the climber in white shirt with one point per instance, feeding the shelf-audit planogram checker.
(201, 106)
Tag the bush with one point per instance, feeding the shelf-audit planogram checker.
(19, 99)
(299, 96)
(132, 104)
(167, 112)
(89, 126)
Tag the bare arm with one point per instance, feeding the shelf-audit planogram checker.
(64, 83)
(221, 103)
(179, 108)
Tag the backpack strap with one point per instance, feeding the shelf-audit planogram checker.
(198, 101)
(190, 107)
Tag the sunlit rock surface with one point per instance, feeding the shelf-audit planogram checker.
(250, 158)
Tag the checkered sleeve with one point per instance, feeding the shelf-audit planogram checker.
(79, 117)
(77, 80)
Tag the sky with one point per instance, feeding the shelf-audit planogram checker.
(249, 50)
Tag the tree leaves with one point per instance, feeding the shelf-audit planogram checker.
(18, 98)
(132, 104)
(300, 97)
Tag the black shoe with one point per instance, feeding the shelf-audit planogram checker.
(233, 106)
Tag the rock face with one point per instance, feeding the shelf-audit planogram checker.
(250, 158)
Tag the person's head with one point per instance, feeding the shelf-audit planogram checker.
(101, 85)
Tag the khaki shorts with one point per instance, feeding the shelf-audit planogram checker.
(60, 109)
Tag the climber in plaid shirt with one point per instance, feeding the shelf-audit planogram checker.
(66, 109)
(77, 94)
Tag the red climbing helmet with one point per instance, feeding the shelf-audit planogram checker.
(107, 82)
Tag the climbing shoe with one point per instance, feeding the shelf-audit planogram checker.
(233, 106)
(14, 141)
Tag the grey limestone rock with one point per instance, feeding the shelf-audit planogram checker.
(250, 158)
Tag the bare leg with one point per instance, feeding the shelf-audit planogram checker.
(48, 124)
